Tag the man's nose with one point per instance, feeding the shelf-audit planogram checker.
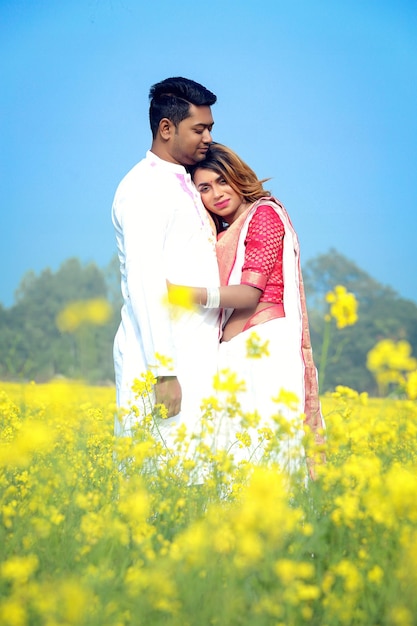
(207, 138)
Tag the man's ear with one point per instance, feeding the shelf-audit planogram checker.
(166, 128)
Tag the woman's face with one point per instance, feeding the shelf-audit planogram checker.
(217, 195)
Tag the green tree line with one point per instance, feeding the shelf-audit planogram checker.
(33, 347)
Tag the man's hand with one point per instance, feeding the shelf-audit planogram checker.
(168, 392)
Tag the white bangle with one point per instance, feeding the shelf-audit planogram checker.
(213, 298)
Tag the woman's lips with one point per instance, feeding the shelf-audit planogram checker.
(222, 205)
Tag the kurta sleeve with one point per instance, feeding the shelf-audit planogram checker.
(263, 245)
(143, 223)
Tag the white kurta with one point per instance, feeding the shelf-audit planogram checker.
(163, 233)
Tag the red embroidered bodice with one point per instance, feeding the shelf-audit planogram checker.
(262, 267)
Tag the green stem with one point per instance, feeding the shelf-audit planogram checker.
(324, 353)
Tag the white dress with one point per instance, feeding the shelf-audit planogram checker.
(289, 367)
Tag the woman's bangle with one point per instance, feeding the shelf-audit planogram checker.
(213, 298)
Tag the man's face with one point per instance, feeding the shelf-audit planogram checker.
(192, 137)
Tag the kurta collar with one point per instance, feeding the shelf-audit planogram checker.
(175, 168)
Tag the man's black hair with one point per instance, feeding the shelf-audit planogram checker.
(171, 98)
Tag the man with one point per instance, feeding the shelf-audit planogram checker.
(163, 233)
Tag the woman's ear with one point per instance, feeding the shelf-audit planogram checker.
(166, 128)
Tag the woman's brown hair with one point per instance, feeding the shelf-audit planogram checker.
(236, 173)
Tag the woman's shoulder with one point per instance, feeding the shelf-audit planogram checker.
(268, 201)
(266, 209)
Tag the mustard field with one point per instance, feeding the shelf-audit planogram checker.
(102, 532)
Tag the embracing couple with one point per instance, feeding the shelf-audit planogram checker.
(192, 213)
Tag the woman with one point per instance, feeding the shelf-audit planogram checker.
(262, 292)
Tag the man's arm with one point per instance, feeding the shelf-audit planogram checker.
(144, 225)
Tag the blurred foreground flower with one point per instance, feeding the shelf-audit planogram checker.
(81, 319)
(180, 296)
(26, 444)
(411, 385)
(96, 311)
(255, 349)
(343, 306)
(389, 361)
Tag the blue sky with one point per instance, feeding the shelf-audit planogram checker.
(320, 96)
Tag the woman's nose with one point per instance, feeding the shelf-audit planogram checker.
(217, 191)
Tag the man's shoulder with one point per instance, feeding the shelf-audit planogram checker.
(138, 170)
(138, 178)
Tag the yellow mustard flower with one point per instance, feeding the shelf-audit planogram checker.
(12, 612)
(389, 361)
(411, 385)
(19, 568)
(227, 380)
(343, 306)
(255, 349)
(94, 311)
(180, 297)
(376, 574)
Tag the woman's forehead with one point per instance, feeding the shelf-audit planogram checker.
(206, 174)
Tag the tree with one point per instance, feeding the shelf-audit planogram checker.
(34, 347)
(382, 315)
